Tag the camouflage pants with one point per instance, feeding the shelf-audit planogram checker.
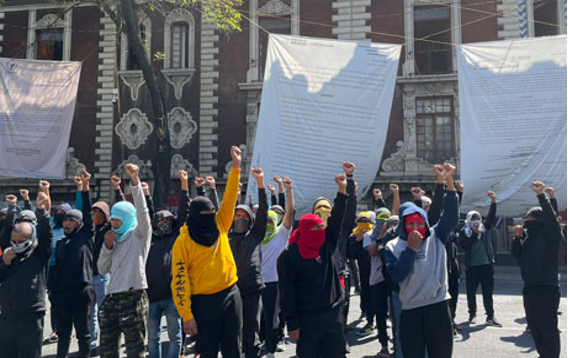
(126, 313)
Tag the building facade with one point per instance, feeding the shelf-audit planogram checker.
(212, 81)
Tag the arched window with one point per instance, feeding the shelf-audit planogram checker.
(179, 40)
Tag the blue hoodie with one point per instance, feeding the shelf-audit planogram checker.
(422, 272)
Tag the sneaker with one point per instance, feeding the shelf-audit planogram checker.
(493, 322)
(471, 319)
(270, 355)
(281, 346)
(366, 330)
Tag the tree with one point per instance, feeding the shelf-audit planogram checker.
(124, 13)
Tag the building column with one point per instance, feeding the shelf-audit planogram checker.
(105, 107)
(208, 111)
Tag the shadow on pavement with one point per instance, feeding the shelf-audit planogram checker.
(523, 341)
(467, 330)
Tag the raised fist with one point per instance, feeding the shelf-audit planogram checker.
(492, 195)
(459, 186)
(182, 175)
(341, 181)
(287, 183)
(277, 179)
(131, 170)
(42, 200)
(348, 168)
(377, 194)
(145, 188)
(518, 230)
(25, 194)
(85, 176)
(449, 171)
(11, 199)
(271, 188)
(115, 181)
(210, 181)
(416, 193)
(394, 188)
(257, 173)
(549, 191)
(44, 186)
(199, 182)
(236, 155)
(538, 187)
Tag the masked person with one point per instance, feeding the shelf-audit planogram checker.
(23, 278)
(273, 244)
(537, 248)
(245, 239)
(205, 275)
(72, 284)
(101, 217)
(417, 260)
(479, 258)
(123, 256)
(311, 297)
(166, 229)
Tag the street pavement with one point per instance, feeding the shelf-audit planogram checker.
(474, 342)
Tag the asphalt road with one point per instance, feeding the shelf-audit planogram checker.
(474, 342)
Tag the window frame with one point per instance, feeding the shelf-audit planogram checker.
(447, 49)
(434, 116)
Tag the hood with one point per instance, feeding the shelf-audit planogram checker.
(470, 215)
(162, 214)
(406, 209)
(103, 206)
(27, 215)
(320, 199)
(248, 211)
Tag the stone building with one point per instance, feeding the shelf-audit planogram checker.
(212, 81)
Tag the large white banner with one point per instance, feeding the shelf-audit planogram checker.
(513, 121)
(323, 102)
(37, 102)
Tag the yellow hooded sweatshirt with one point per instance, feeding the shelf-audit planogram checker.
(203, 270)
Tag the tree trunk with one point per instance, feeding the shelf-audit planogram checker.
(162, 165)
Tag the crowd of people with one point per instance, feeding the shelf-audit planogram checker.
(236, 276)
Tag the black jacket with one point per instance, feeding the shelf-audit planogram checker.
(159, 262)
(538, 254)
(100, 232)
(74, 253)
(311, 287)
(246, 249)
(467, 242)
(23, 283)
(342, 250)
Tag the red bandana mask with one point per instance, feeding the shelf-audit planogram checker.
(309, 242)
(415, 217)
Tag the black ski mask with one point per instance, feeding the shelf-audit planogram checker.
(202, 227)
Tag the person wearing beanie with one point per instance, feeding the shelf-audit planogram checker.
(205, 274)
(536, 245)
(123, 256)
(72, 283)
(245, 238)
(416, 259)
(479, 258)
(166, 229)
(23, 277)
(101, 220)
(311, 295)
(273, 244)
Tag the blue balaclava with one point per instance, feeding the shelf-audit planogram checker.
(125, 212)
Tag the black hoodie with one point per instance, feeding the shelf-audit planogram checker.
(246, 247)
(538, 250)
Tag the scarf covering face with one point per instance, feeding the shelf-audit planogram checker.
(537, 224)
(364, 223)
(270, 229)
(160, 226)
(325, 211)
(415, 217)
(26, 247)
(309, 242)
(125, 212)
(473, 225)
(58, 217)
(202, 227)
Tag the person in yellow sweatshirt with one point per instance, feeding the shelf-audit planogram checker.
(204, 273)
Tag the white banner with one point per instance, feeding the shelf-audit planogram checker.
(323, 102)
(37, 102)
(513, 121)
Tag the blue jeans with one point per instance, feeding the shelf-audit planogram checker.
(397, 311)
(168, 308)
(100, 286)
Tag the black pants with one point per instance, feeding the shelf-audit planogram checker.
(252, 309)
(72, 307)
(271, 310)
(219, 319)
(541, 304)
(21, 336)
(427, 328)
(347, 297)
(454, 291)
(322, 335)
(366, 303)
(473, 277)
(379, 294)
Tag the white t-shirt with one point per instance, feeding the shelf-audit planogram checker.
(271, 251)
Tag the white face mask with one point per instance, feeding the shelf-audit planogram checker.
(475, 224)
(22, 246)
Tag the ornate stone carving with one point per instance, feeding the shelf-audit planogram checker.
(134, 128)
(434, 88)
(72, 165)
(179, 163)
(50, 21)
(145, 168)
(133, 80)
(181, 126)
(178, 78)
(275, 7)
